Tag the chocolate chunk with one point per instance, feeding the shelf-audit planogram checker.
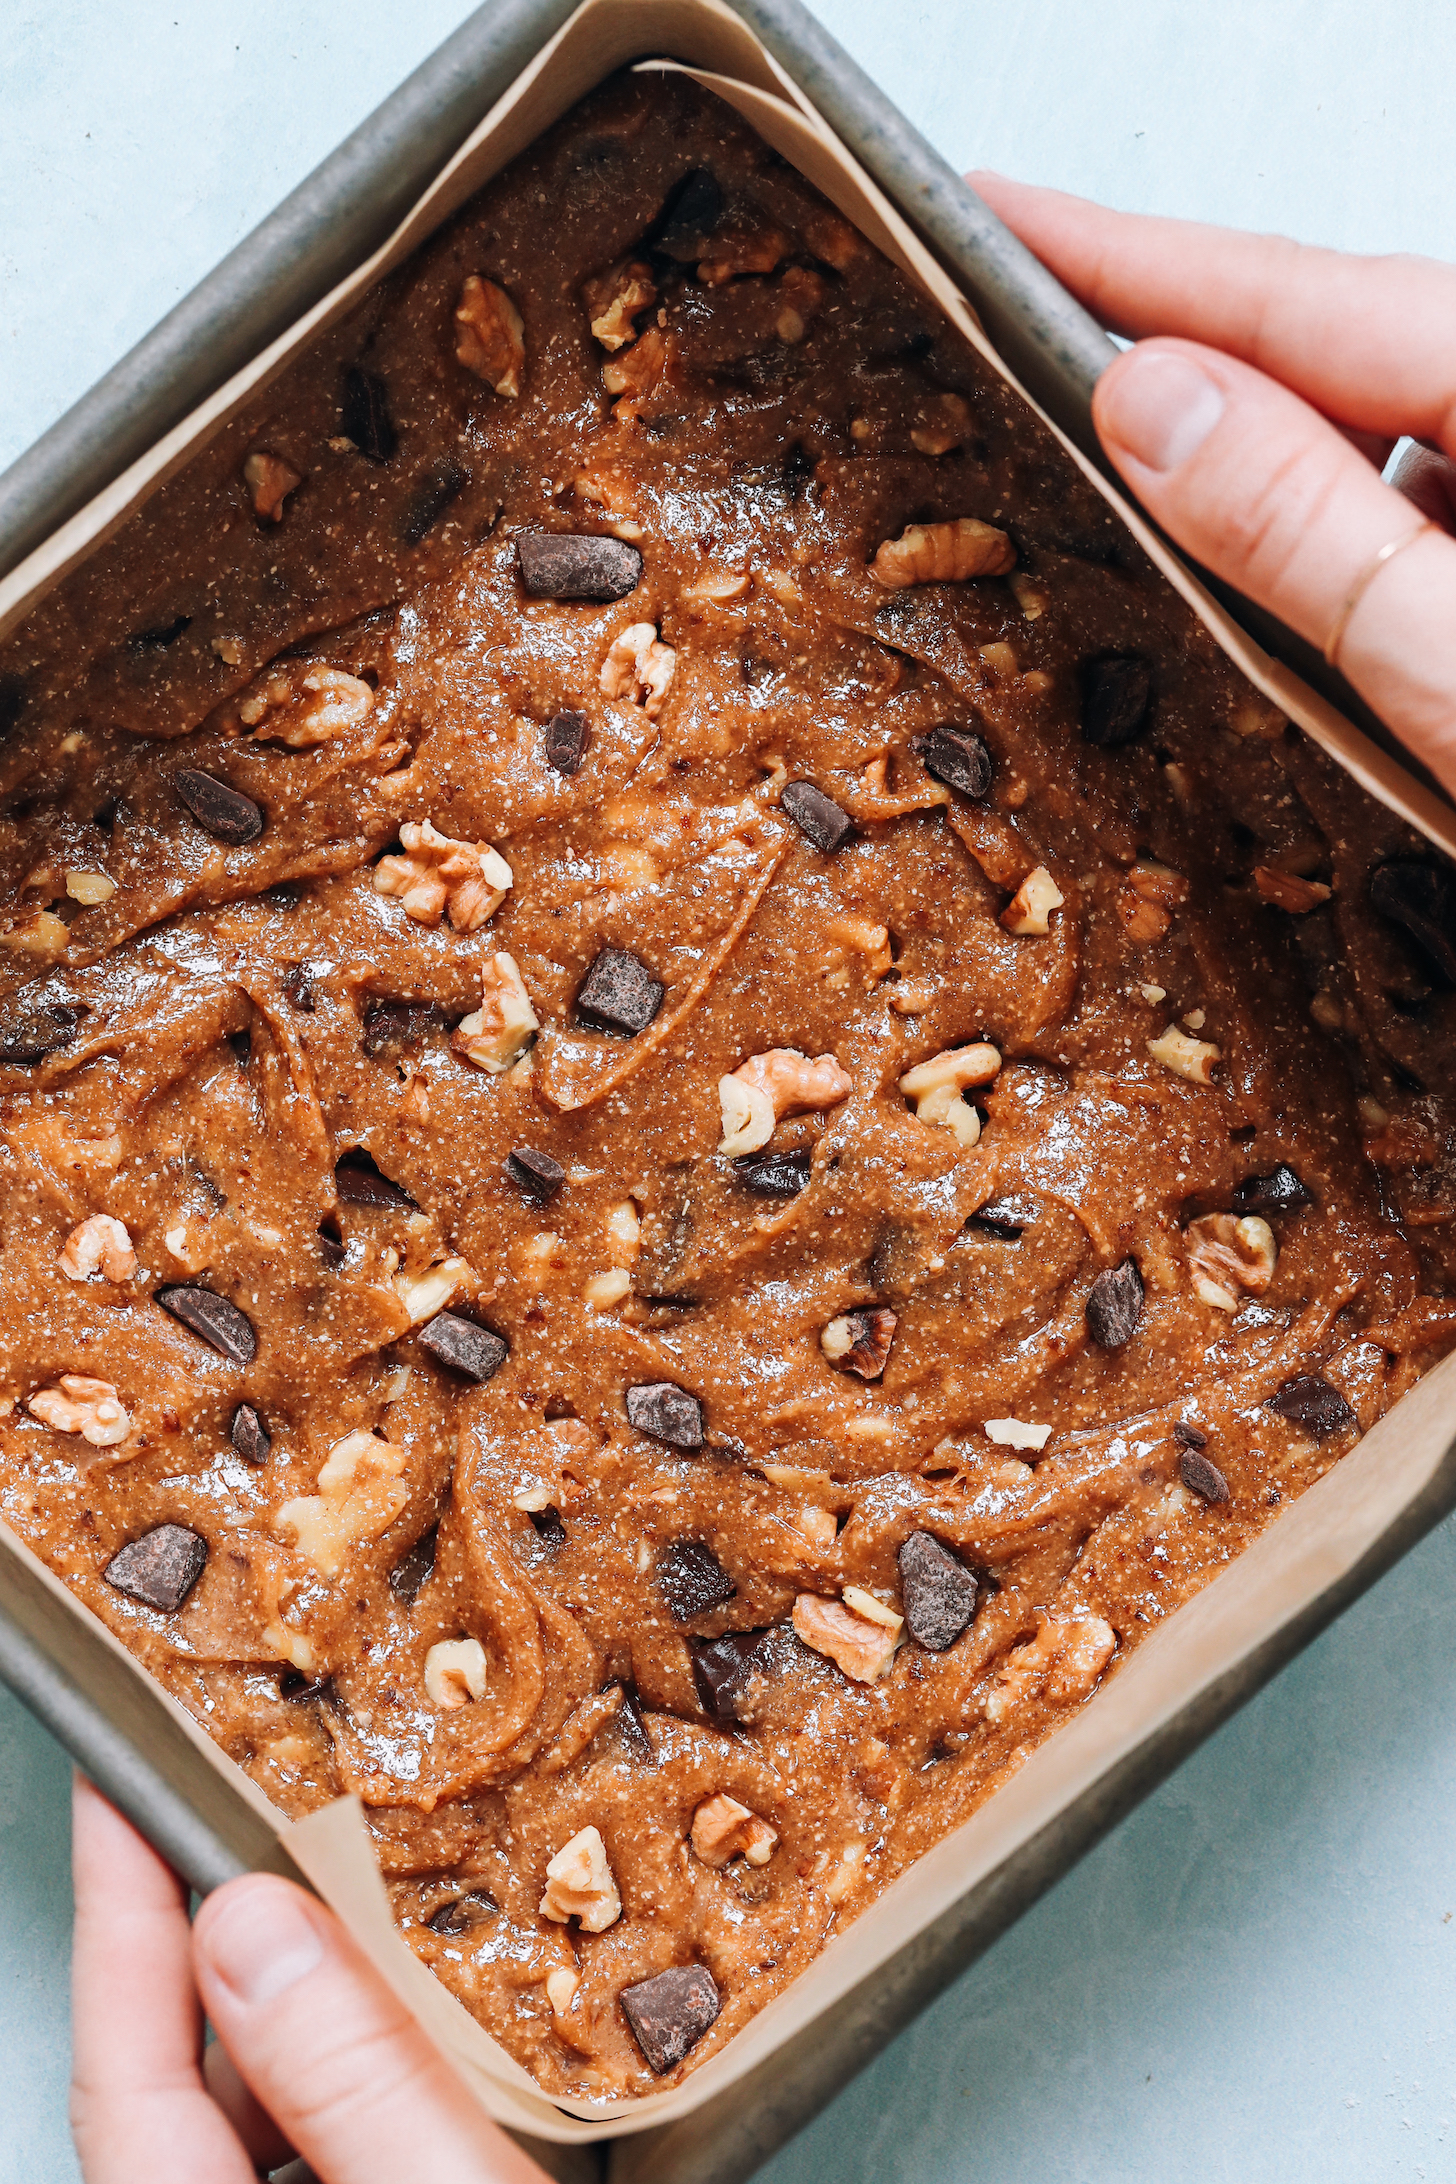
(633, 1729)
(298, 987)
(1115, 1305)
(564, 741)
(36, 1033)
(691, 1579)
(365, 415)
(692, 211)
(462, 1912)
(576, 565)
(298, 1689)
(358, 1181)
(1117, 689)
(537, 1174)
(159, 1569)
(666, 1412)
(1309, 1401)
(414, 1566)
(218, 807)
(723, 1669)
(938, 1591)
(548, 1527)
(391, 1027)
(1280, 1191)
(1422, 898)
(158, 639)
(958, 757)
(670, 2012)
(241, 1043)
(1189, 1436)
(464, 1345)
(619, 993)
(1003, 1217)
(251, 1438)
(1202, 1477)
(775, 1175)
(827, 824)
(440, 485)
(331, 1243)
(216, 1319)
(870, 1334)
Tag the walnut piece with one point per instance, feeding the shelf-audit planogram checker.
(1016, 1433)
(102, 1242)
(89, 888)
(1065, 1659)
(1147, 899)
(1033, 903)
(307, 708)
(639, 668)
(860, 1341)
(490, 338)
(723, 1829)
(504, 1022)
(425, 1294)
(1187, 1057)
(579, 1884)
(614, 299)
(470, 880)
(941, 423)
(858, 1633)
(1287, 892)
(269, 480)
(456, 1672)
(82, 1405)
(1227, 1254)
(743, 250)
(943, 553)
(765, 1088)
(639, 369)
(936, 1087)
(359, 1497)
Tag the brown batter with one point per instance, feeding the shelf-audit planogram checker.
(652, 1228)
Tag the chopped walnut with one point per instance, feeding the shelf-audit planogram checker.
(614, 299)
(859, 1633)
(818, 1525)
(1065, 1659)
(1187, 1057)
(82, 1405)
(425, 1294)
(801, 292)
(269, 480)
(941, 423)
(102, 1242)
(639, 668)
(610, 490)
(866, 938)
(748, 1116)
(936, 1087)
(1287, 892)
(89, 888)
(1227, 1254)
(1016, 1433)
(437, 873)
(913, 996)
(494, 1035)
(43, 934)
(359, 1497)
(303, 709)
(943, 553)
(638, 369)
(742, 250)
(1033, 903)
(456, 1671)
(723, 1829)
(579, 1884)
(765, 1088)
(561, 1987)
(859, 1342)
(1147, 898)
(1030, 596)
(491, 336)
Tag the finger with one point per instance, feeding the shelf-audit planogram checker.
(138, 2105)
(1258, 487)
(330, 2051)
(266, 2146)
(1370, 341)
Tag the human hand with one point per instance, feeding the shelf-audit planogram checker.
(314, 2054)
(1268, 386)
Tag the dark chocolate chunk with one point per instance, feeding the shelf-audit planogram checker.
(958, 757)
(250, 1436)
(241, 1043)
(633, 1729)
(464, 1345)
(1003, 1217)
(666, 1412)
(1421, 898)
(548, 1527)
(331, 1243)
(298, 987)
(1189, 1436)
(1117, 689)
(1309, 1401)
(1115, 1305)
(723, 1669)
(692, 211)
(576, 565)
(158, 639)
(1202, 1477)
(365, 415)
(216, 1319)
(218, 807)
(414, 1566)
(870, 1334)
(537, 1174)
(691, 1579)
(827, 824)
(1280, 1191)
(36, 1033)
(938, 1591)
(159, 1569)
(298, 1689)
(564, 740)
(462, 1912)
(619, 993)
(391, 1027)
(359, 1182)
(670, 2012)
(443, 483)
(775, 1175)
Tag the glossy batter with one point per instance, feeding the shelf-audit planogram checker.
(694, 1105)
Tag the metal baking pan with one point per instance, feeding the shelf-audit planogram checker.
(328, 225)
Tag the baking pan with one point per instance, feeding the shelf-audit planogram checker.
(333, 220)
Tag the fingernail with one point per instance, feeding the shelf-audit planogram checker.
(1160, 407)
(262, 1942)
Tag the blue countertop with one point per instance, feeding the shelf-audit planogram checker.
(1252, 1978)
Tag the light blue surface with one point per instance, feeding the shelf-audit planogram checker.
(1253, 1978)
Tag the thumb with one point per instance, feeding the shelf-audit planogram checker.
(1260, 488)
(330, 2051)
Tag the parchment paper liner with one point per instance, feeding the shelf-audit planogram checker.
(1298, 1558)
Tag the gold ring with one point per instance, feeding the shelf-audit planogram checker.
(1362, 584)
